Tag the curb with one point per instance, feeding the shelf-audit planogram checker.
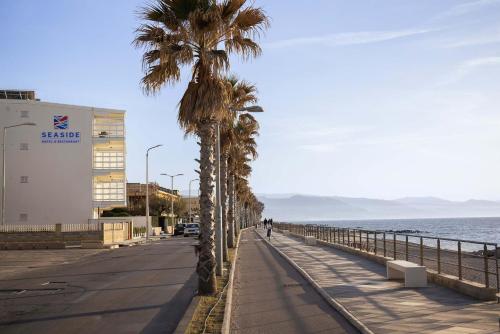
(226, 323)
(329, 299)
(182, 326)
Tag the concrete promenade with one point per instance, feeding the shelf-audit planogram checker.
(270, 296)
(387, 306)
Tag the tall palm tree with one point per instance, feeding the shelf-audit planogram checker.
(244, 148)
(240, 95)
(199, 35)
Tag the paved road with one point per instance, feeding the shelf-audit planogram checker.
(270, 296)
(139, 289)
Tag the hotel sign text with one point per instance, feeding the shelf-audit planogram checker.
(58, 136)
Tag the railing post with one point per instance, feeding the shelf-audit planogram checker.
(343, 236)
(375, 244)
(497, 250)
(348, 238)
(354, 238)
(385, 248)
(459, 260)
(421, 251)
(394, 240)
(486, 270)
(406, 249)
(439, 255)
(360, 241)
(330, 232)
(367, 242)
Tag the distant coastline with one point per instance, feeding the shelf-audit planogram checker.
(325, 208)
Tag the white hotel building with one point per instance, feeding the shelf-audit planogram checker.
(67, 167)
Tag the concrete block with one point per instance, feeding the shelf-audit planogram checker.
(286, 232)
(310, 240)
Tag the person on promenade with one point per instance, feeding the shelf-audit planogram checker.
(270, 222)
(265, 223)
(269, 230)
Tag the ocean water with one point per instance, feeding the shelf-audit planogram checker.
(475, 229)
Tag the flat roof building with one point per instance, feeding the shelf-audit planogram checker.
(67, 167)
(136, 195)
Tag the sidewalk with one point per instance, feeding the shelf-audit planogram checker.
(386, 306)
(270, 296)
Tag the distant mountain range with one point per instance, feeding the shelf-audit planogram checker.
(292, 207)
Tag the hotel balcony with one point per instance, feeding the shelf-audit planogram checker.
(108, 157)
(108, 127)
(109, 190)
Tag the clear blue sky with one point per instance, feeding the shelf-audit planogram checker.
(373, 98)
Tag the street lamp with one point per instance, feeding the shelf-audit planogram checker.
(218, 205)
(3, 162)
(147, 188)
(190, 197)
(172, 198)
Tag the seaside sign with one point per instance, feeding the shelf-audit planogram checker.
(60, 135)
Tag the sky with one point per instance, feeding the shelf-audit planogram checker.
(362, 98)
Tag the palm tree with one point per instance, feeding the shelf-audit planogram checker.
(240, 95)
(199, 35)
(244, 146)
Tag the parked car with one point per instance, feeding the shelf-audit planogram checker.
(192, 229)
(179, 229)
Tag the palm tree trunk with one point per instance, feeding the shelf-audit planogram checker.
(207, 283)
(223, 193)
(230, 212)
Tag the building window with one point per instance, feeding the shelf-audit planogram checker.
(25, 114)
(108, 160)
(109, 127)
(23, 146)
(23, 217)
(109, 191)
(24, 179)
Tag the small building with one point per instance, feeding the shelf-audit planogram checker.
(136, 196)
(66, 167)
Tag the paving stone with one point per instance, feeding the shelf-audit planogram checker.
(387, 306)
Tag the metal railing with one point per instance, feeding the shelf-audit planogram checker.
(50, 228)
(27, 228)
(471, 260)
(94, 227)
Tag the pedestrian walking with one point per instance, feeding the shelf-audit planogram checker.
(265, 223)
(269, 230)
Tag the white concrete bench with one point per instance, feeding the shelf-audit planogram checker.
(285, 232)
(310, 240)
(415, 276)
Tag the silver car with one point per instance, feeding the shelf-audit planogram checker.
(192, 229)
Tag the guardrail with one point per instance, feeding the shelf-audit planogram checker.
(466, 259)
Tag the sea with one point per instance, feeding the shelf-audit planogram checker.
(476, 229)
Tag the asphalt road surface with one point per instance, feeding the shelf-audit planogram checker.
(139, 289)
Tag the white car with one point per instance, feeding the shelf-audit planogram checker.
(192, 229)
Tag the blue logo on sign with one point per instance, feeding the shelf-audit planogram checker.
(60, 122)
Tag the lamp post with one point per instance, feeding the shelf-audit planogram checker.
(172, 198)
(218, 204)
(3, 162)
(147, 188)
(190, 197)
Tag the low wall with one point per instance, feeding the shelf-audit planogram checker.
(465, 287)
(116, 232)
(108, 233)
